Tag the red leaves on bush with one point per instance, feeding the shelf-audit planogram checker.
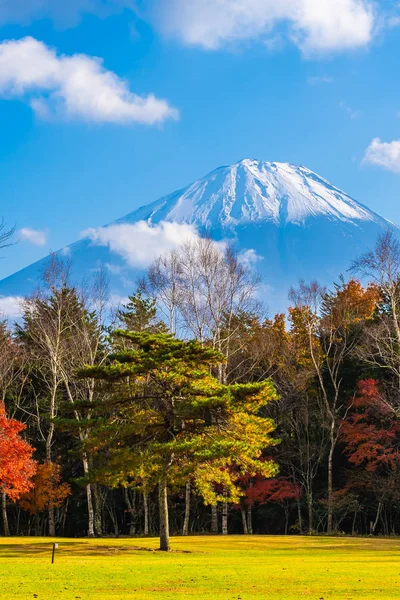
(16, 464)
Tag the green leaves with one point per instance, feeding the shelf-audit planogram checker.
(170, 417)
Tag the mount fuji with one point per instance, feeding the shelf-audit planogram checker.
(285, 221)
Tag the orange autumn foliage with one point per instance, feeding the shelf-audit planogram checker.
(350, 304)
(47, 491)
(16, 464)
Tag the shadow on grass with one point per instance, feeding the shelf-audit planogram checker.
(73, 549)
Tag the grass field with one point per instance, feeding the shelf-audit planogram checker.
(232, 568)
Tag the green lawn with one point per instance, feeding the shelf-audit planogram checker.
(234, 568)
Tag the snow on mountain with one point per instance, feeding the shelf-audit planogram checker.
(290, 221)
(252, 191)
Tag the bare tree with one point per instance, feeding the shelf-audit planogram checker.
(162, 282)
(381, 340)
(6, 235)
(200, 288)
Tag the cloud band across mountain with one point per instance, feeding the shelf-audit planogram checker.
(73, 87)
(139, 243)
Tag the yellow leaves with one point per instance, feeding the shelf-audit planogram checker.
(350, 304)
(211, 479)
(244, 439)
(219, 480)
(250, 429)
(317, 335)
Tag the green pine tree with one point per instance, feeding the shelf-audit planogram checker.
(168, 418)
(140, 314)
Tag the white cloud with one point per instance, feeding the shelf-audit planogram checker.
(10, 306)
(249, 257)
(140, 243)
(74, 87)
(384, 154)
(315, 26)
(34, 236)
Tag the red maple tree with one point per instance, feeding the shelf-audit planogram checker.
(276, 490)
(16, 464)
(370, 433)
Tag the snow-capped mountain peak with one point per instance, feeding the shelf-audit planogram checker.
(251, 191)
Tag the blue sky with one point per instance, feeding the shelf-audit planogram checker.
(311, 82)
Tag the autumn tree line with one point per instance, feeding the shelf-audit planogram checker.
(187, 410)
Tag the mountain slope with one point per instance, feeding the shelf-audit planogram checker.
(252, 191)
(288, 220)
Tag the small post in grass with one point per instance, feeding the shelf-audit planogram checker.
(55, 545)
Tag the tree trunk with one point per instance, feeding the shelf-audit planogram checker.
(52, 526)
(98, 527)
(64, 517)
(330, 482)
(49, 440)
(310, 512)
(243, 512)
(163, 512)
(299, 517)
(88, 497)
(18, 521)
(90, 511)
(286, 509)
(130, 512)
(6, 527)
(146, 512)
(185, 530)
(224, 517)
(113, 516)
(353, 526)
(214, 518)
(249, 519)
(37, 525)
(378, 513)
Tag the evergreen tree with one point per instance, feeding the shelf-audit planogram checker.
(140, 314)
(169, 418)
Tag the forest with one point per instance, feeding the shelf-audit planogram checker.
(188, 409)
